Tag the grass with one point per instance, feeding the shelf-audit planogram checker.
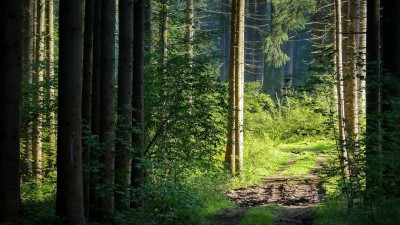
(304, 163)
(260, 216)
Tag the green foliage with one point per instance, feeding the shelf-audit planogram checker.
(188, 200)
(289, 17)
(38, 201)
(293, 119)
(335, 212)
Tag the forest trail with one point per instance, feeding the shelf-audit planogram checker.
(296, 195)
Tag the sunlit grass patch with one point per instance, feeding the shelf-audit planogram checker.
(260, 216)
(304, 163)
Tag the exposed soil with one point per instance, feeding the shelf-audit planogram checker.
(297, 195)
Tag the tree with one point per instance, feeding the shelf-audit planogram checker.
(95, 109)
(38, 96)
(10, 98)
(234, 147)
(87, 97)
(138, 91)
(339, 86)
(350, 75)
(107, 108)
(27, 63)
(124, 127)
(50, 93)
(69, 199)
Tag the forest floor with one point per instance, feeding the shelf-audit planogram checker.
(295, 195)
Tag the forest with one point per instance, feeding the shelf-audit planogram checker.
(200, 112)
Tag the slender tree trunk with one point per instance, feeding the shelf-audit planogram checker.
(38, 97)
(138, 92)
(340, 92)
(350, 77)
(107, 111)
(230, 154)
(27, 65)
(87, 98)
(234, 149)
(123, 155)
(95, 115)
(50, 71)
(69, 199)
(10, 99)
(362, 47)
(239, 113)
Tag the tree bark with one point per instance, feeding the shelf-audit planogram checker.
(38, 97)
(234, 148)
(350, 76)
(50, 72)
(107, 110)
(138, 92)
(340, 91)
(123, 153)
(87, 97)
(230, 154)
(27, 66)
(10, 98)
(69, 199)
(95, 109)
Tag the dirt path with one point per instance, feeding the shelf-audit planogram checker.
(298, 195)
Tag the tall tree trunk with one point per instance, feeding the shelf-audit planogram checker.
(50, 72)
(124, 127)
(95, 115)
(27, 65)
(234, 148)
(38, 97)
(10, 99)
(362, 47)
(87, 97)
(69, 199)
(230, 155)
(239, 113)
(340, 91)
(138, 92)
(107, 110)
(350, 77)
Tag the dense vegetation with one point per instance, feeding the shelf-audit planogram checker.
(148, 112)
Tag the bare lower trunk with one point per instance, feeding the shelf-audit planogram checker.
(10, 99)
(69, 199)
